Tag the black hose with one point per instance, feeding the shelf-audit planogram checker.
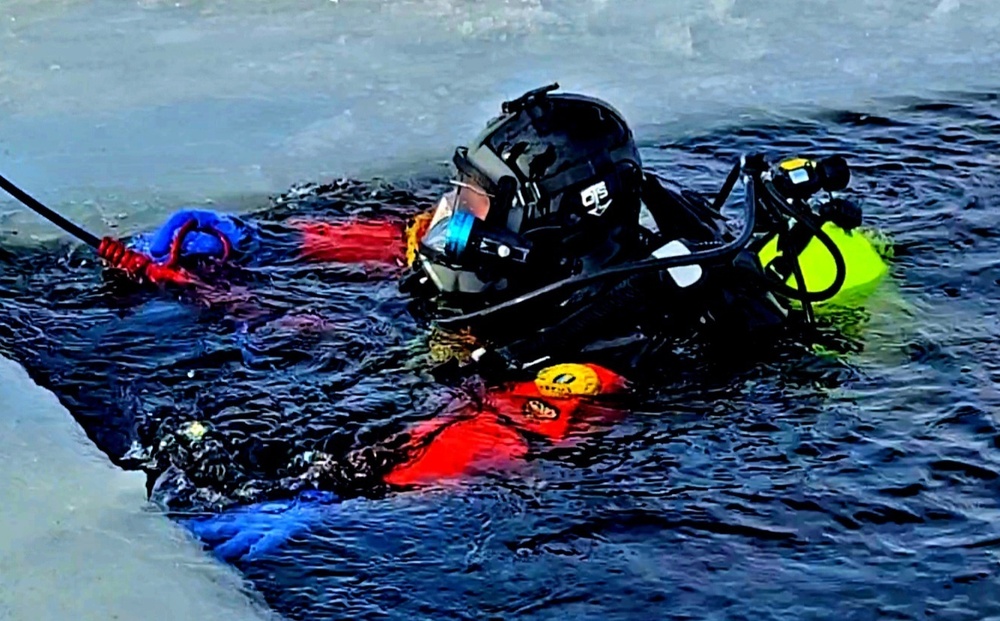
(726, 189)
(61, 222)
(805, 217)
(800, 281)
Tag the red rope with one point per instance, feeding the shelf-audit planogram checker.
(138, 265)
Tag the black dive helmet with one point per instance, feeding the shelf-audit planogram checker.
(560, 175)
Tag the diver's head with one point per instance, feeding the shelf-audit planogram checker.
(551, 187)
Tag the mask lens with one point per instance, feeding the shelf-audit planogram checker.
(472, 200)
(465, 199)
(445, 207)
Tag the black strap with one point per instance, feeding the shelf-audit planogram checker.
(680, 214)
(585, 171)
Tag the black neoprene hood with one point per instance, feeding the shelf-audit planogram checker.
(552, 159)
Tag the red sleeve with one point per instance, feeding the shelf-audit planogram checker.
(452, 448)
(356, 241)
(478, 438)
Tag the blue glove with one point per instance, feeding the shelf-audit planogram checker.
(250, 531)
(204, 241)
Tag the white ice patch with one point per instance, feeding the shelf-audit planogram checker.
(305, 91)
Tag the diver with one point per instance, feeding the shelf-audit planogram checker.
(568, 269)
(539, 248)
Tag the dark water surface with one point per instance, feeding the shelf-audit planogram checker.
(862, 486)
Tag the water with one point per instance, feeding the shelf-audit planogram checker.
(801, 489)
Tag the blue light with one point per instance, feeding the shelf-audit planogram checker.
(458, 233)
